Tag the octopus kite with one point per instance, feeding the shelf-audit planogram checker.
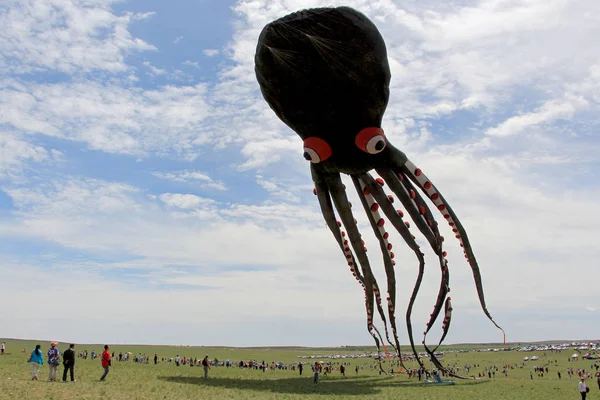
(325, 73)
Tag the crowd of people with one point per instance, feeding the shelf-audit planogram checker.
(54, 358)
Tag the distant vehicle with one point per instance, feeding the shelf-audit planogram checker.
(534, 358)
(526, 359)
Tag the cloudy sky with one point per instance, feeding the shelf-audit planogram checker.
(149, 195)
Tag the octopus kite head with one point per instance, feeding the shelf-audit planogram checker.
(325, 74)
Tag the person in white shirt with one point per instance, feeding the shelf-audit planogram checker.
(583, 389)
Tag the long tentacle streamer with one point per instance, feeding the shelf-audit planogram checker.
(377, 223)
(371, 289)
(426, 223)
(421, 180)
(395, 217)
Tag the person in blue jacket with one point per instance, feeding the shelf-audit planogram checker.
(36, 359)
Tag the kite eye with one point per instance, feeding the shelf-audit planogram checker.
(316, 150)
(371, 140)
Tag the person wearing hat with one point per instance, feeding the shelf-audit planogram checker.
(69, 363)
(53, 361)
(583, 388)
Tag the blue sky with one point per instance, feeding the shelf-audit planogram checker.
(146, 185)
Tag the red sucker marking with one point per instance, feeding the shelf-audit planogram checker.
(427, 185)
(435, 196)
(381, 222)
(380, 181)
(374, 207)
(418, 172)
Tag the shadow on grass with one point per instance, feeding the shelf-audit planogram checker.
(355, 386)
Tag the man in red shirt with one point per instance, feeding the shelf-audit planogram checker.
(105, 362)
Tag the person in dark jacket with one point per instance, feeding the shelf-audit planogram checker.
(69, 362)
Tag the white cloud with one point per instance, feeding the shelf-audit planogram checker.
(210, 52)
(548, 113)
(110, 117)
(154, 70)
(194, 64)
(185, 201)
(66, 35)
(191, 176)
(15, 151)
(497, 101)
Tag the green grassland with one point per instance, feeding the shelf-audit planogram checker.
(129, 380)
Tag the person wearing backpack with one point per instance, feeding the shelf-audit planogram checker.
(583, 388)
(53, 361)
(105, 362)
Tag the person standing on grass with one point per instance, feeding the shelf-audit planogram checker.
(53, 361)
(317, 370)
(206, 365)
(105, 362)
(69, 363)
(37, 360)
(583, 388)
(2, 346)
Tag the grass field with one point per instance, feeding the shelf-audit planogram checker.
(128, 380)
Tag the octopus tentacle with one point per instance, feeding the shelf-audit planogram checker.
(340, 200)
(386, 247)
(396, 220)
(407, 198)
(427, 215)
(417, 176)
(417, 209)
(446, 323)
(322, 193)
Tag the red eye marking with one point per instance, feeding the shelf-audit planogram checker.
(370, 140)
(316, 150)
